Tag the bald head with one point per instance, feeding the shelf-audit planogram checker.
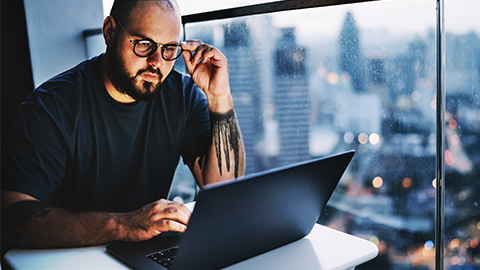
(122, 10)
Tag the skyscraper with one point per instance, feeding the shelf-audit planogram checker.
(350, 58)
(244, 83)
(291, 99)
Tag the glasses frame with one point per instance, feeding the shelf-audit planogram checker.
(156, 45)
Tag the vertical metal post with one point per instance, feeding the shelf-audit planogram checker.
(184, 33)
(440, 127)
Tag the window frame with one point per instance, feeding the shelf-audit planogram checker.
(264, 8)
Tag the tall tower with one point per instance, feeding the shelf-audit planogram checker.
(291, 99)
(350, 59)
(244, 82)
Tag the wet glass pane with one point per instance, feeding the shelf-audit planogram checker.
(462, 131)
(314, 82)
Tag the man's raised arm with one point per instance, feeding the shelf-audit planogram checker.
(226, 158)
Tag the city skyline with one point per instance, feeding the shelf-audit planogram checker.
(390, 120)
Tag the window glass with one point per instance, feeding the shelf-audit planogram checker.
(314, 82)
(462, 132)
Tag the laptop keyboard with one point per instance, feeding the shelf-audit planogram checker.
(165, 257)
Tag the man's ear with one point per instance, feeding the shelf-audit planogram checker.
(109, 26)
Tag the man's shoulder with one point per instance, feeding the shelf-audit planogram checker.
(75, 76)
(69, 85)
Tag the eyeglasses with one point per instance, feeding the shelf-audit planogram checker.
(147, 47)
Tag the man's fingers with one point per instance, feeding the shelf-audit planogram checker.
(191, 45)
(201, 54)
(180, 206)
(176, 214)
(187, 55)
(172, 210)
(168, 225)
(191, 51)
(195, 52)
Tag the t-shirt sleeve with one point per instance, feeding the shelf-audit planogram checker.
(35, 153)
(197, 138)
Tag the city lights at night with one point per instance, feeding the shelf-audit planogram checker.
(377, 182)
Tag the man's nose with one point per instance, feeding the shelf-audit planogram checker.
(156, 59)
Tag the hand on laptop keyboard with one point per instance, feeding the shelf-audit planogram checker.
(153, 219)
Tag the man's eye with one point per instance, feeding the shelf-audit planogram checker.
(144, 43)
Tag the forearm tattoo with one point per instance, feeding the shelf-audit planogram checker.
(226, 137)
(18, 214)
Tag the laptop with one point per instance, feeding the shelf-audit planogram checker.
(236, 220)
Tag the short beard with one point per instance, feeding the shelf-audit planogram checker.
(121, 80)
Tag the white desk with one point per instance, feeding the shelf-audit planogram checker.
(323, 248)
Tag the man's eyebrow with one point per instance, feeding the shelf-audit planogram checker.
(135, 35)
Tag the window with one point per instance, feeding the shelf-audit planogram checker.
(462, 135)
(316, 81)
(313, 82)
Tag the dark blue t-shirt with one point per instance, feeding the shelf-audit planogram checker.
(75, 147)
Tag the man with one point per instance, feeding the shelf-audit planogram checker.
(94, 149)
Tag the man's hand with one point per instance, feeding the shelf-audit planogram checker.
(153, 219)
(209, 70)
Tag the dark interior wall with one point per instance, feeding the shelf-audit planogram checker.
(16, 72)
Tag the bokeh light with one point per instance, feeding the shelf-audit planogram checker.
(377, 182)
(454, 139)
(429, 245)
(374, 138)
(332, 78)
(454, 260)
(453, 124)
(454, 244)
(474, 243)
(407, 182)
(363, 138)
(449, 158)
(348, 137)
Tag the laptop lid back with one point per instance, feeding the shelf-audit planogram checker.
(237, 220)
